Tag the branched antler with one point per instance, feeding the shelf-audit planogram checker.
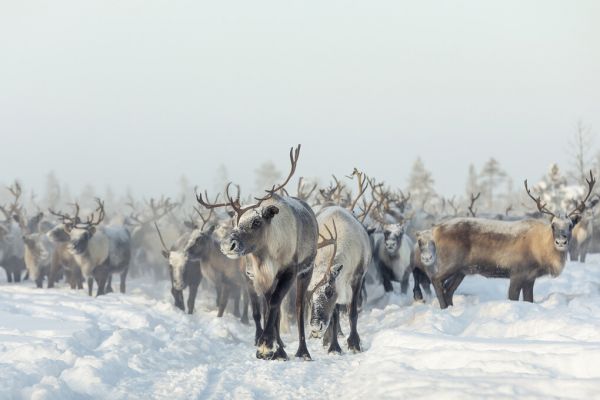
(473, 200)
(581, 207)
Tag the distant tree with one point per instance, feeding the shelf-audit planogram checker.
(266, 176)
(185, 191)
(472, 182)
(580, 146)
(490, 177)
(52, 192)
(420, 183)
(221, 179)
(553, 188)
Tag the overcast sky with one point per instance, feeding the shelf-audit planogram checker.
(137, 93)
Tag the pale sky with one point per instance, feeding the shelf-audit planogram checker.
(137, 93)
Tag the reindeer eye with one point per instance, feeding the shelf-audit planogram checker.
(329, 292)
(257, 223)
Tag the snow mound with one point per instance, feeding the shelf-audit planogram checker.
(61, 344)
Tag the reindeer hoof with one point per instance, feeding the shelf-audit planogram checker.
(265, 351)
(303, 353)
(280, 355)
(335, 349)
(354, 344)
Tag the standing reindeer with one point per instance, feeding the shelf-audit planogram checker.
(519, 250)
(98, 252)
(279, 236)
(11, 241)
(340, 266)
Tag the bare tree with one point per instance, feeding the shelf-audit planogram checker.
(490, 177)
(472, 181)
(580, 144)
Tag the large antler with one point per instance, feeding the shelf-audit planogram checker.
(91, 219)
(538, 202)
(235, 203)
(581, 207)
(66, 219)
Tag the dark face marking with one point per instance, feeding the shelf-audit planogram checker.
(323, 301)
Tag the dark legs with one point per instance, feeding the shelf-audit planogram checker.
(528, 291)
(193, 291)
(224, 291)
(404, 282)
(302, 282)
(439, 292)
(353, 339)
(451, 285)
(266, 348)
(255, 302)
(245, 301)
(386, 276)
(178, 297)
(109, 288)
(122, 280)
(90, 284)
(514, 289)
(334, 346)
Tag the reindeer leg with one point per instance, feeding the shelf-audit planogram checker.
(417, 294)
(123, 280)
(193, 291)
(90, 284)
(514, 288)
(236, 304)
(528, 291)
(109, 288)
(386, 277)
(354, 339)
(334, 346)
(266, 343)
(223, 301)
(439, 292)
(245, 300)
(339, 308)
(302, 281)
(255, 302)
(404, 282)
(178, 297)
(454, 283)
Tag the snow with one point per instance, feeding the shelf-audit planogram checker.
(60, 344)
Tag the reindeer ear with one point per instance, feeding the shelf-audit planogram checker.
(269, 212)
(165, 254)
(371, 230)
(211, 229)
(335, 270)
(575, 218)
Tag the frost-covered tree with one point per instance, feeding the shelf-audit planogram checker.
(580, 146)
(420, 183)
(490, 177)
(266, 176)
(553, 188)
(472, 181)
(185, 191)
(52, 191)
(221, 179)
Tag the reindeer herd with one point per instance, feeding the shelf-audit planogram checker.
(305, 258)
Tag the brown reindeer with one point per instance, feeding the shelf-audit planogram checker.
(519, 250)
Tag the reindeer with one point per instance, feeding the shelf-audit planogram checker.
(340, 267)
(278, 235)
(519, 250)
(583, 233)
(11, 241)
(98, 252)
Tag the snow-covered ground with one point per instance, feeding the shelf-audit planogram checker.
(59, 344)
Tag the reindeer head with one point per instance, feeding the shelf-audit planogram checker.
(76, 232)
(251, 227)
(323, 294)
(392, 234)
(562, 224)
(427, 247)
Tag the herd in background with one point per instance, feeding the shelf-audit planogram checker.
(300, 258)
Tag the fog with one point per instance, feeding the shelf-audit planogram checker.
(136, 94)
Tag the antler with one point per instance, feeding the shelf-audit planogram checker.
(66, 218)
(300, 192)
(161, 237)
(235, 203)
(331, 241)
(207, 219)
(538, 202)
(473, 200)
(363, 184)
(100, 209)
(365, 209)
(581, 207)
